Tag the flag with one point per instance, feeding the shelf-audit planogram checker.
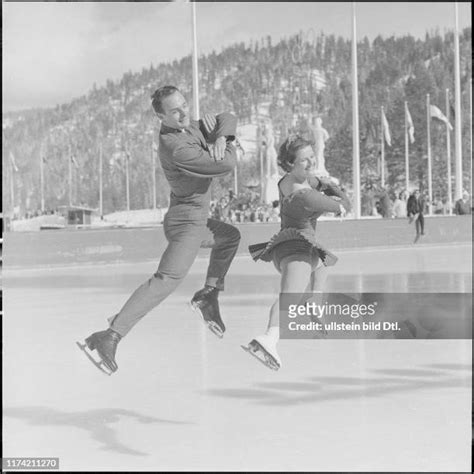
(13, 163)
(45, 160)
(386, 130)
(410, 126)
(74, 162)
(436, 113)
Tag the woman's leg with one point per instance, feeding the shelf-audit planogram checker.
(295, 278)
(317, 283)
(316, 287)
(318, 279)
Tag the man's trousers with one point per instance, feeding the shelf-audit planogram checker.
(184, 241)
(420, 224)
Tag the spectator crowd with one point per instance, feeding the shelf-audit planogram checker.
(244, 208)
(378, 201)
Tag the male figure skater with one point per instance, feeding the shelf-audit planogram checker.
(191, 154)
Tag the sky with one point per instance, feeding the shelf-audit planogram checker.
(55, 51)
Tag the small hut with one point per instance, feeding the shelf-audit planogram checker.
(77, 215)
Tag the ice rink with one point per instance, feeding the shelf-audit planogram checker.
(184, 400)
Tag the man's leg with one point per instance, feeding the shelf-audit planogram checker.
(174, 265)
(224, 239)
(422, 223)
(418, 225)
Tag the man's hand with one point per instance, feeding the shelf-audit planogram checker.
(209, 121)
(217, 150)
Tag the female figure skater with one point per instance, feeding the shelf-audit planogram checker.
(295, 251)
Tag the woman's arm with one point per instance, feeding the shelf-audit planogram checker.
(315, 201)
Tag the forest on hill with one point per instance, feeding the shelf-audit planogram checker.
(301, 76)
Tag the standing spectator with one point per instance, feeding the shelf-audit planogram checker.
(223, 209)
(400, 206)
(438, 206)
(252, 215)
(415, 210)
(426, 202)
(212, 210)
(463, 205)
(239, 214)
(247, 212)
(274, 212)
(385, 203)
(368, 201)
(446, 209)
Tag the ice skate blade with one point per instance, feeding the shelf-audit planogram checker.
(213, 327)
(99, 364)
(267, 363)
(269, 359)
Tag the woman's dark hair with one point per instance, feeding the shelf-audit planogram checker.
(289, 149)
(159, 95)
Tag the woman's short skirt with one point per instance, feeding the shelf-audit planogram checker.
(292, 242)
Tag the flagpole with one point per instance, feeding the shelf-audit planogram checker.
(101, 200)
(12, 188)
(70, 174)
(407, 163)
(153, 171)
(195, 66)
(355, 120)
(457, 90)
(196, 114)
(428, 125)
(448, 155)
(41, 157)
(261, 175)
(470, 134)
(235, 171)
(127, 187)
(382, 151)
(235, 180)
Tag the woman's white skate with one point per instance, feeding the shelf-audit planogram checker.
(263, 349)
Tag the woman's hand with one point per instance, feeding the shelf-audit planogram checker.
(325, 181)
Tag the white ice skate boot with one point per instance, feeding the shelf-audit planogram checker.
(263, 348)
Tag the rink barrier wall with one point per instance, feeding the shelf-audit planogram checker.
(70, 247)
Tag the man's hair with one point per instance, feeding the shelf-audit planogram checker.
(159, 95)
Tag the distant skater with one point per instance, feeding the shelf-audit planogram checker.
(415, 209)
(191, 154)
(295, 251)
